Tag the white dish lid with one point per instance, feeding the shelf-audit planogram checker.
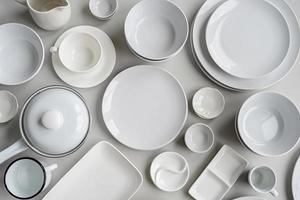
(55, 121)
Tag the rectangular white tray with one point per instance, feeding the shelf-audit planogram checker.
(219, 176)
(104, 173)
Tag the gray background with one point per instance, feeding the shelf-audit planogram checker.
(187, 72)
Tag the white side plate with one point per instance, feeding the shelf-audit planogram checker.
(296, 181)
(249, 198)
(144, 107)
(103, 173)
(219, 176)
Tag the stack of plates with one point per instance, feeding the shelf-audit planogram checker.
(245, 44)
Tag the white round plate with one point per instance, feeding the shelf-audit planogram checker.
(247, 38)
(268, 124)
(99, 73)
(156, 29)
(144, 107)
(21, 54)
(208, 103)
(8, 106)
(169, 171)
(231, 82)
(296, 180)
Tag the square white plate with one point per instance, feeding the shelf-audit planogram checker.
(103, 173)
(219, 176)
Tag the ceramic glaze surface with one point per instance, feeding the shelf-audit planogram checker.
(156, 29)
(55, 121)
(219, 76)
(266, 120)
(103, 9)
(240, 51)
(144, 107)
(19, 41)
(8, 106)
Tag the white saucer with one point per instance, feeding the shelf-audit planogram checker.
(236, 49)
(209, 67)
(99, 73)
(144, 107)
(169, 171)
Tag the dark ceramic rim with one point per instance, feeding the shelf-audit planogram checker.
(44, 181)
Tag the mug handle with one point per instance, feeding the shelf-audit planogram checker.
(16, 148)
(274, 193)
(22, 2)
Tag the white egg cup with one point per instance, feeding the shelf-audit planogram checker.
(103, 9)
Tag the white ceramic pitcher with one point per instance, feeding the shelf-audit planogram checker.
(48, 14)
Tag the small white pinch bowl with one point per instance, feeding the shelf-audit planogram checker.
(79, 52)
(103, 9)
(169, 171)
(199, 138)
(208, 103)
(156, 30)
(8, 106)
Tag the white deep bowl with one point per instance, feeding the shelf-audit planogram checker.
(103, 9)
(156, 29)
(80, 52)
(269, 124)
(21, 54)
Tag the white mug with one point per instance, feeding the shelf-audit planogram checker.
(49, 15)
(262, 179)
(26, 177)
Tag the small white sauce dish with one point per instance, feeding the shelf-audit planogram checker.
(103, 9)
(79, 52)
(156, 30)
(169, 171)
(199, 138)
(8, 106)
(208, 103)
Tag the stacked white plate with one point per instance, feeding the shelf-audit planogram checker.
(245, 44)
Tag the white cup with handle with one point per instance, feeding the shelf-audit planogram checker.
(26, 177)
(263, 179)
(49, 15)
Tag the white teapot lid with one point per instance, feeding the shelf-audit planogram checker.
(55, 121)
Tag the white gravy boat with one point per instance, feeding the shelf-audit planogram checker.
(48, 14)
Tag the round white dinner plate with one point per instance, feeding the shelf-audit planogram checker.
(99, 73)
(268, 124)
(296, 180)
(156, 29)
(247, 38)
(222, 78)
(21, 53)
(144, 107)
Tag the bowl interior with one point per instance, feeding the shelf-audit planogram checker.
(21, 54)
(80, 52)
(199, 138)
(268, 123)
(156, 29)
(103, 8)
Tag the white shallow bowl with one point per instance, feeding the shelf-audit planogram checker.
(8, 106)
(22, 54)
(199, 138)
(169, 171)
(103, 9)
(156, 29)
(79, 52)
(269, 124)
(208, 103)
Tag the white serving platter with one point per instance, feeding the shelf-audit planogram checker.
(219, 176)
(103, 173)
